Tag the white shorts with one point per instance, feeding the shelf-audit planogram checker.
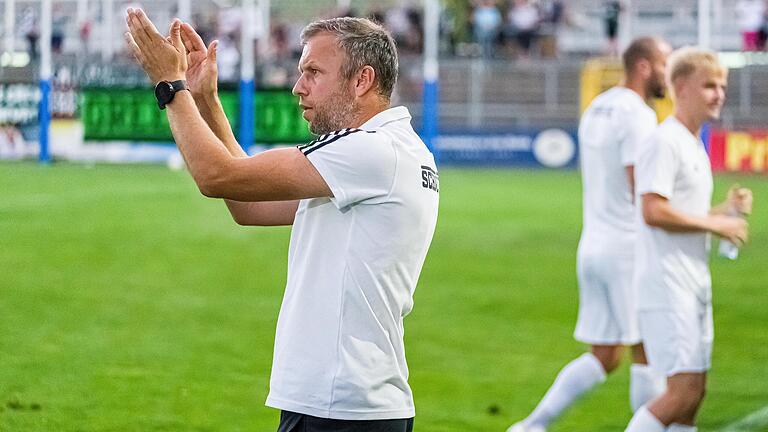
(607, 314)
(678, 340)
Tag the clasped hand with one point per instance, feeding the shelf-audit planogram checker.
(182, 53)
(163, 59)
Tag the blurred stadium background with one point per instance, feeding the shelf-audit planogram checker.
(128, 302)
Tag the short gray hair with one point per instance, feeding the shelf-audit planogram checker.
(643, 48)
(365, 43)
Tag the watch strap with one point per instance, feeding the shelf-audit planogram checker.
(179, 85)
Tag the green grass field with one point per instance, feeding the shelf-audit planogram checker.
(128, 302)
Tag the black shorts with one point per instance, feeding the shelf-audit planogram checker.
(294, 422)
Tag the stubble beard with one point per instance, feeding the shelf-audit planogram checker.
(336, 112)
(657, 88)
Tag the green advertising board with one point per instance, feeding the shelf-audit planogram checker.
(115, 113)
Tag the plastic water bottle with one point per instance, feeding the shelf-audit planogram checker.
(727, 248)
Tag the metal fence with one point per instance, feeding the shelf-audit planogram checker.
(494, 95)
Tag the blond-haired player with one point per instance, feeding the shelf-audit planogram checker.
(675, 219)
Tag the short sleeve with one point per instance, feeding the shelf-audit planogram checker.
(637, 128)
(357, 165)
(657, 167)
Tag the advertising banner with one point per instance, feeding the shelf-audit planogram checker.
(19, 103)
(132, 114)
(549, 148)
(743, 151)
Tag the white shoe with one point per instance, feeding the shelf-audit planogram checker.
(521, 427)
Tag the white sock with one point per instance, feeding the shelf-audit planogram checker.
(644, 421)
(675, 427)
(644, 385)
(576, 378)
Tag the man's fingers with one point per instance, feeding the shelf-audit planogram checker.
(744, 200)
(134, 48)
(212, 51)
(185, 39)
(744, 232)
(183, 44)
(732, 193)
(134, 26)
(147, 24)
(744, 194)
(175, 36)
(189, 35)
(143, 23)
(132, 44)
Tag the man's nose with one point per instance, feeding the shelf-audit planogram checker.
(298, 88)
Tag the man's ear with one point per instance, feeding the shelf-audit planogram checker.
(644, 68)
(366, 81)
(680, 88)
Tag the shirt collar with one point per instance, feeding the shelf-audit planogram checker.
(387, 116)
(683, 129)
(631, 92)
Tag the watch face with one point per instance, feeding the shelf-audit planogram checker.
(163, 93)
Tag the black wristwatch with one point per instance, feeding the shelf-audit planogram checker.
(165, 90)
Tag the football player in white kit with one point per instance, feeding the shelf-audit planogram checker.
(674, 186)
(610, 132)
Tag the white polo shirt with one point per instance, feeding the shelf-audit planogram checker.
(611, 131)
(672, 268)
(353, 264)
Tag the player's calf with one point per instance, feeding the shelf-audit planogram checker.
(609, 356)
(681, 401)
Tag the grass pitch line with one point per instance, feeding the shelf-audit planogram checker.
(756, 421)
